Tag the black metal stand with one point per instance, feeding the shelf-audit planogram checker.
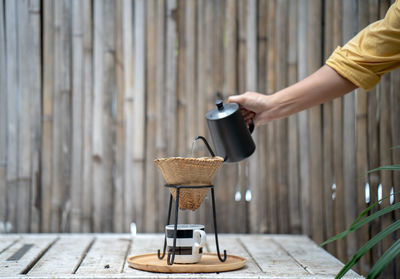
(171, 255)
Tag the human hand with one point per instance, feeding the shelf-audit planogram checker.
(254, 106)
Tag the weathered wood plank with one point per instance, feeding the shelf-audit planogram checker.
(234, 245)
(6, 242)
(22, 255)
(266, 253)
(66, 255)
(311, 257)
(143, 244)
(111, 262)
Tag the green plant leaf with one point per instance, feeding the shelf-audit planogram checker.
(365, 211)
(395, 147)
(357, 225)
(384, 260)
(390, 167)
(361, 252)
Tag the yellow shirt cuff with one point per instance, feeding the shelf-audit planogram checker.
(350, 70)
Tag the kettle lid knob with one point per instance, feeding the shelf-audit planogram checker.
(219, 104)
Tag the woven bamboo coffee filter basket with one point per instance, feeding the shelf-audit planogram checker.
(189, 172)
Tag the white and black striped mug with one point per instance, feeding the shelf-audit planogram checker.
(190, 240)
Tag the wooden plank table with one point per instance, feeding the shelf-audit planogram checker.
(104, 256)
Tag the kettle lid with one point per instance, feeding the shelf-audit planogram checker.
(222, 110)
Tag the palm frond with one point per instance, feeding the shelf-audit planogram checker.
(356, 225)
(384, 260)
(372, 242)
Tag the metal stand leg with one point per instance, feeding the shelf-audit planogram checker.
(171, 255)
(215, 227)
(165, 237)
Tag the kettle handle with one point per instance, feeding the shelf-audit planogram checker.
(251, 126)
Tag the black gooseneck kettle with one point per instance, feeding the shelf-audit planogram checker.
(230, 135)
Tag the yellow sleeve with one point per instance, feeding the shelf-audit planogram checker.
(371, 53)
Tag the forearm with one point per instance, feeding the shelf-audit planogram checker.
(322, 86)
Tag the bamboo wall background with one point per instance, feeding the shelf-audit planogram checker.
(92, 91)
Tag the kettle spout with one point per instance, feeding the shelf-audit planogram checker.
(206, 143)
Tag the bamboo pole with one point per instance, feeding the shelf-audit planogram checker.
(259, 193)
(361, 149)
(350, 193)
(119, 156)
(373, 141)
(282, 34)
(24, 118)
(87, 196)
(139, 107)
(129, 206)
(47, 115)
(152, 188)
(162, 133)
(230, 88)
(328, 136)
(242, 224)
(77, 115)
(35, 91)
(338, 193)
(252, 85)
(11, 18)
(303, 123)
(385, 143)
(293, 139)
(189, 86)
(272, 211)
(3, 119)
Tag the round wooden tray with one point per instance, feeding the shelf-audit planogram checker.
(209, 263)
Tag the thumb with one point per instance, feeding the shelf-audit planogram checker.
(239, 99)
